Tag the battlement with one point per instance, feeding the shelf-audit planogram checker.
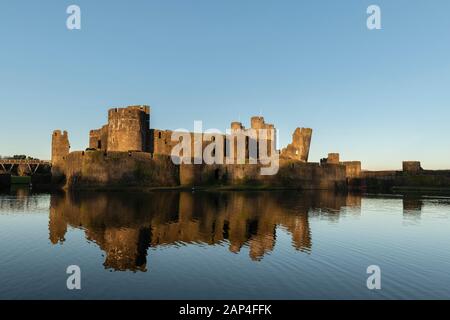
(59, 133)
(130, 111)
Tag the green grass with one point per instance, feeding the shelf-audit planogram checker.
(20, 180)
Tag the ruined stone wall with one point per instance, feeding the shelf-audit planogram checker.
(299, 148)
(60, 150)
(128, 129)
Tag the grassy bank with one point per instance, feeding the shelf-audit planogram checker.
(20, 180)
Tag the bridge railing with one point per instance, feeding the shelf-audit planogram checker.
(24, 161)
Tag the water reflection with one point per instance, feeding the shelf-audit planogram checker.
(20, 199)
(412, 205)
(125, 225)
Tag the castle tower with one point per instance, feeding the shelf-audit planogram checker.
(258, 123)
(237, 133)
(129, 129)
(333, 158)
(235, 126)
(299, 148)
(60, 150)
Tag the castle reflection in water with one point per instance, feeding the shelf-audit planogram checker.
(125, 226)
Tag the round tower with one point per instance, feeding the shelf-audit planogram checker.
(128, 128)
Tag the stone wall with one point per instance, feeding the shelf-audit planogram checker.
(291, 174)
(412, 178)
(112, 170)
(160, 141)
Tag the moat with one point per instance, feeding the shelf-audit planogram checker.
(230, 245)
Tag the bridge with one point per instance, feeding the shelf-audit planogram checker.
(33, 165)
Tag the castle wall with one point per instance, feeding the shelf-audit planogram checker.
(96, 169)
(128, 129)
(161, 142)
(98, 139)
(291, 174)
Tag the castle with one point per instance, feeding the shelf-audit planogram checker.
(128, 129)
(127, 152)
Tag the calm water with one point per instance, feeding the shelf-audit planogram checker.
(237, 245)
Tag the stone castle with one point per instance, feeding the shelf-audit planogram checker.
(127, 152)
(128, 129)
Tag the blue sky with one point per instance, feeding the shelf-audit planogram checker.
(378, 96)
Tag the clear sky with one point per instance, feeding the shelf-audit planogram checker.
(379, 96)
